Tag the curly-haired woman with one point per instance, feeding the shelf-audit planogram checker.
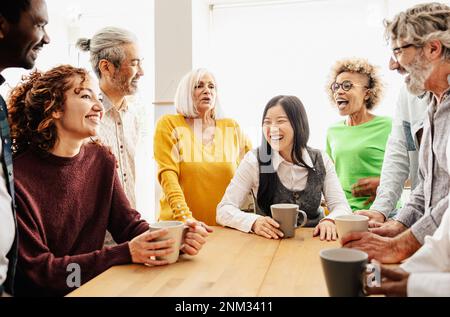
(68, 192)
(357, 144)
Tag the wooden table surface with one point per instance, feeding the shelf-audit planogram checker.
(231, 264)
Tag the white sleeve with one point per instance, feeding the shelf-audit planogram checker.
(434, 255)
(332, 191)
(396, 164)
(428, 284)
(429, 267)
(245, 179)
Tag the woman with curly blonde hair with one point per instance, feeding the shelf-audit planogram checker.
(68, 192)
(357, 144)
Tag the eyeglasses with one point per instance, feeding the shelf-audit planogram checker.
(346, 86)
(396, 51)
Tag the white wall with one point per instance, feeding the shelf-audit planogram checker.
(264, 48)
(182, 42)
(201, 34)
(173, 40)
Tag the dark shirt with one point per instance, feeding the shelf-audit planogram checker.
(64, 207)
(7, 165)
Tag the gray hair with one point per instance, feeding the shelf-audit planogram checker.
(420, 24)
(184, 96)
(107, 44)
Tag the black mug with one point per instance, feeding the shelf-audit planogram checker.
(344, 271)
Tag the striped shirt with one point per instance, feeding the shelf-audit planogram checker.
(429, 200)
(120, 130)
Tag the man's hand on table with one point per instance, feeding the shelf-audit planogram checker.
(380, 248)
(390, 228)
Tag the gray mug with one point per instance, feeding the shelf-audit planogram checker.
(344, 271)
(286, 215)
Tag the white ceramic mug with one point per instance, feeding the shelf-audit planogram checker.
(351, 223)
(176, 231)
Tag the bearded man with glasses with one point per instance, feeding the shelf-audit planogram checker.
(426, 272)
(427, 68)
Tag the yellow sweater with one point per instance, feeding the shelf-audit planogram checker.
(193, 176)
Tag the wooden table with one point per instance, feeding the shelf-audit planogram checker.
(231, 264)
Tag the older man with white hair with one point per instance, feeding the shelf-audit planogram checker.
(420, 39)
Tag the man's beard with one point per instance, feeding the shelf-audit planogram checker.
(418, 72)
(122, 83)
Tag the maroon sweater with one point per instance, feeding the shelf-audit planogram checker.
(64, 207)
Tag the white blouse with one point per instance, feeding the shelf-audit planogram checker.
(430, 265)
(292, 176)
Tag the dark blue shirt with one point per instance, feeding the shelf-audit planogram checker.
(7, 165)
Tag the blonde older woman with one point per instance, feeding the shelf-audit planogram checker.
(357, 144)
(197, 152)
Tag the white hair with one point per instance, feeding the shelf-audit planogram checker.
(184, 96)
(107, 44)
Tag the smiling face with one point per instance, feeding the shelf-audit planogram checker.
(125, 79)
(278, 130)
(418, 71)
(205, 94)
(354, 100)
(82, 111)
(23, 41)
(415, 66)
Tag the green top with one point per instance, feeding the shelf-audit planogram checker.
(358, 152)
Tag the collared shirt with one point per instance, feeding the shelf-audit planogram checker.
(7, 222)
(429, 201)
(401, 159)
(120, 130)
(429, 267)
(293, 177)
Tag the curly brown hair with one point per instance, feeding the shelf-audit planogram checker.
(360, 66)
(32, 103)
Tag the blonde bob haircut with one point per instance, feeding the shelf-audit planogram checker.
(184, 96)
